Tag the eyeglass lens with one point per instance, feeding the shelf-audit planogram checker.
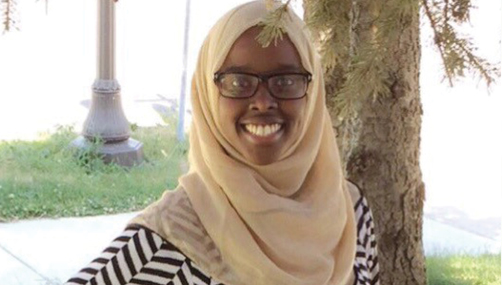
(283, 86)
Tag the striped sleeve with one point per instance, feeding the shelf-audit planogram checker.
(140, 256)
(366, 269)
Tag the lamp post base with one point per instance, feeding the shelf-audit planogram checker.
(126, 153)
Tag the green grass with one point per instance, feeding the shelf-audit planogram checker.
(45, 178)
(464, 270)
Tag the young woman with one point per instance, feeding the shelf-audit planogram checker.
(264, 201)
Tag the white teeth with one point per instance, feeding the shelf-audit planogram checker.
(262, 130)
(259, 131)
(267, 130)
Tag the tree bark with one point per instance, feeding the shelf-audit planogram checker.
(380, 146)
(385, 162)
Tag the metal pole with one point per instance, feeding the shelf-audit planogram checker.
(106, 41)
(180, 129)
(106, 120)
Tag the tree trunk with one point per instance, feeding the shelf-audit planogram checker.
(385, 162)
(380, 146)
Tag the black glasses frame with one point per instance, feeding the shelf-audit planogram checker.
(262, 78)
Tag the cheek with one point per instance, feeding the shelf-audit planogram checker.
(295, 110)
(228, 115)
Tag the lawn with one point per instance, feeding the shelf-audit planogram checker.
(45, 178)
(464, 269)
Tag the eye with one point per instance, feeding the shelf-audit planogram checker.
(240, 82)
(286, 81)
(236, 81)
(288, 86)
(283, 81)
(237, 85)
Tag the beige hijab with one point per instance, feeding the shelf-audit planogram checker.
(290, 222)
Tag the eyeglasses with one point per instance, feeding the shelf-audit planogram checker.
(284, 86)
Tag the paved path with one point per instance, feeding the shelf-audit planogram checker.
(36, 252)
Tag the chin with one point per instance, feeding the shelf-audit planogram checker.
(263, 158)
(263, 162)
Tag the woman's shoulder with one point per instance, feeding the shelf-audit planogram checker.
(359, 202)
(366, 267)
(141, 256)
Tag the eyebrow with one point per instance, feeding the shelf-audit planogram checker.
(279, 68)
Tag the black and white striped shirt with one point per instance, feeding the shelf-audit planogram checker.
(140, 256)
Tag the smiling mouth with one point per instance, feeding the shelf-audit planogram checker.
(263, 130)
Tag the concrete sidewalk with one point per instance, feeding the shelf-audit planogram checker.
(49, 251)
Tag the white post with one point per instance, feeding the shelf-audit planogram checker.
(106, 120)
(180, 132)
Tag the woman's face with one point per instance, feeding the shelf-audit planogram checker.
(261, 127)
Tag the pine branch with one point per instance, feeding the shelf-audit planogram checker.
(8, 12)
(437, 38)
(273, 25)
(378, 28)
(7, 7)
(329, 24)
(456, 52)
(367, 76)
(460, 10)
(445, 12)
(479, 65)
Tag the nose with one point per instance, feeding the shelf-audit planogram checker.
(263, 100)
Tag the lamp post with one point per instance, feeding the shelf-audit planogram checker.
(106, 120)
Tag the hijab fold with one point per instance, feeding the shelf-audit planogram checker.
(290, 222)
